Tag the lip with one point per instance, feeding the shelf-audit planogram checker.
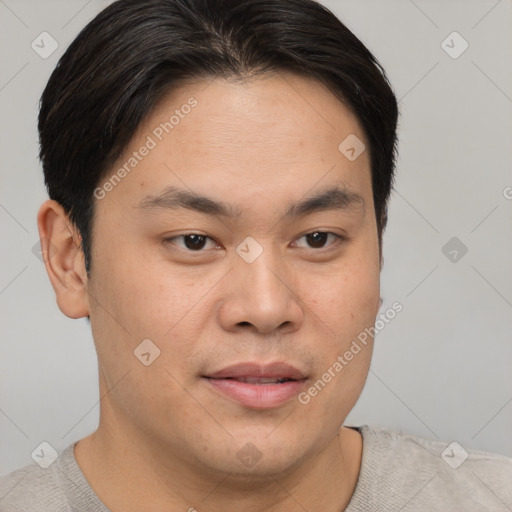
(257, 395)
(278, 370)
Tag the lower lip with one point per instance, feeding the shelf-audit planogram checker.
(258, 396)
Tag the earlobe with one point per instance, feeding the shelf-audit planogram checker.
(63, 259)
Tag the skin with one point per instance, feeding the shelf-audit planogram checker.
(165, 437)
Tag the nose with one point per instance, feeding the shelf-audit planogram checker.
(262, 297)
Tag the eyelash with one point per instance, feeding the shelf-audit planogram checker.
(338, 240)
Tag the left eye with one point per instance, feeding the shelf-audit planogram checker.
(318, 239)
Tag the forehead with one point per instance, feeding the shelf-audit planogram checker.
(271, 134)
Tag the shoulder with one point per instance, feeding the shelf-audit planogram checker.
(31, 488)
(420, 474)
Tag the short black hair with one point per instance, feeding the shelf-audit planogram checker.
(135, 51)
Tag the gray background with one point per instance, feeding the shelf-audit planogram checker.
(441, 368)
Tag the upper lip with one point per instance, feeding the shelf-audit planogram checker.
(276, 370)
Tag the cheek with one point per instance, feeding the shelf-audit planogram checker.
(174, 307)
(348, 305)
(344, 301)
(145, 294)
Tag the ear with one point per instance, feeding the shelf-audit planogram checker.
(383, 224)
(63, 259)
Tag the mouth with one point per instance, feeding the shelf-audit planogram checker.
(260, 380)
(257, 386)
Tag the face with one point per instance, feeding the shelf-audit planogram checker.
(243, 244)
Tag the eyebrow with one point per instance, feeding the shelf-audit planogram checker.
(172, 198)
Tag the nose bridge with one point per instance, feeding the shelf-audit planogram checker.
(263, 293)
(264, 276)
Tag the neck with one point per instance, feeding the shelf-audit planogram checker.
(129, 473)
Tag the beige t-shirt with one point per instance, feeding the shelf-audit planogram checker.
(399, 472)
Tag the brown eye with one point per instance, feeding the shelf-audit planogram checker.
(193, 242)
(318, 239)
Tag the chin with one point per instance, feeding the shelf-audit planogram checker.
(266, 469)
(252, 459)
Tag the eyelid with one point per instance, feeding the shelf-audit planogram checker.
(183, 235)
(339, 239)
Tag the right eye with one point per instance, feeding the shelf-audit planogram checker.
(193, 242)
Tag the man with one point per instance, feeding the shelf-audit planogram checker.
(218, 174)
